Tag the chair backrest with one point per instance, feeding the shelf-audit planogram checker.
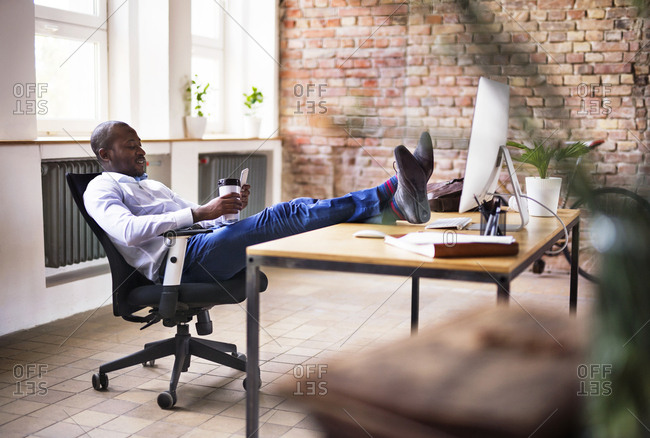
(125, 277)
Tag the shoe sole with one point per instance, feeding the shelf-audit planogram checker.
(423, 211)
(424, 143)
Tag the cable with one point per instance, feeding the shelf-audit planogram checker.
(566, 232)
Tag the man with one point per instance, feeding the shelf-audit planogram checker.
(134, 211)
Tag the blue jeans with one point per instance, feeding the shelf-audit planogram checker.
(222, 254)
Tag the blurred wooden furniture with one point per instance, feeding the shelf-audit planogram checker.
(492, 373)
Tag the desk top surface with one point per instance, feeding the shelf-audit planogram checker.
(337, 244)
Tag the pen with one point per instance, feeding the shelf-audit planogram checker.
(481, 208)
(488, 226)
(498, 212)
(495, 220)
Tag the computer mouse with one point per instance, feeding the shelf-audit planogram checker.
(373, 234)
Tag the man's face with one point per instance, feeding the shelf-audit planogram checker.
(126, 155)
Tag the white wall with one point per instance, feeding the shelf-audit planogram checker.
(179, 63)
(123, 61)
(153, 82)
(17, 54)
(24, 300)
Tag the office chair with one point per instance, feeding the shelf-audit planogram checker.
(173, 303)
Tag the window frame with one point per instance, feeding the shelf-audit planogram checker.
(85, 28)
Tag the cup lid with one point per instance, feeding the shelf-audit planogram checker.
(229, 182)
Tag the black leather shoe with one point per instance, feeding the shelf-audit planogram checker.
(411, 193)
(424, 154)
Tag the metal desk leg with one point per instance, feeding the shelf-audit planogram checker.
(252, 348)
(503, 290)
(415, 304)
(575, 252)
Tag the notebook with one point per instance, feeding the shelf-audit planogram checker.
(452, 244)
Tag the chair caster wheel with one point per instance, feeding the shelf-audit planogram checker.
(538, 266)
(100, 381)
(149, 363)
(166, 399)
(238, 355)
(259, 381)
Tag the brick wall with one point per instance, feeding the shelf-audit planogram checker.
(359, 77)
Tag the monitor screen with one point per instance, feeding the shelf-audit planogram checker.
(489, 132)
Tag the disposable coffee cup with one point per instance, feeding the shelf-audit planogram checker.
(229, 185)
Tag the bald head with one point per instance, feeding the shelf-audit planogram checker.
(118, 148)
(105, 134)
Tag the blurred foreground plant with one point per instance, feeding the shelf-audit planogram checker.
(621, 335)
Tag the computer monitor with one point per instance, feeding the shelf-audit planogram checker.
(487, 149)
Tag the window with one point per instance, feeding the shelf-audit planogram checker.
(207, 57)
(71, 71)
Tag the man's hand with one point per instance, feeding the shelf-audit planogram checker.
(226, 204)
(245, 193)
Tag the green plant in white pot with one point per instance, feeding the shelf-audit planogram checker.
(252, 122)
(195, 121)
(543, 188)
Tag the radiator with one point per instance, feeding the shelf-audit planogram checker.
(68, 239)
(213, 167)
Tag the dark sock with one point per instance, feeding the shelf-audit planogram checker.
(394, 209)
(391, 212)
(387, 189)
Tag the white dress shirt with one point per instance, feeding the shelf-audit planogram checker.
(134, 214)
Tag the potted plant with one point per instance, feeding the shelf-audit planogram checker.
(252, 122)
(195, 121)
(543, 188)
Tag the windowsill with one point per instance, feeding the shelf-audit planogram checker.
(79, 271)
(211, 137)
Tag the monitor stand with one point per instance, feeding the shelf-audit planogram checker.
(522, 202)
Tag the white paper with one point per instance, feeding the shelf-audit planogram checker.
(451, 237)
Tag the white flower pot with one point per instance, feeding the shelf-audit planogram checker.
(195, 126)
(252, 126)
(545, 191)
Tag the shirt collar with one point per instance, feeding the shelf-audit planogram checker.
(120, 177)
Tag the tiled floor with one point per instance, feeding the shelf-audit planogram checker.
(307, 317)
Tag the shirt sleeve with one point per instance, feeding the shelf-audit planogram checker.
(103, 201)
(187, 204)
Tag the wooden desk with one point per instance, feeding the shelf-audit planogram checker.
(334, 248)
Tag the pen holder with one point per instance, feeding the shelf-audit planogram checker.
(494, 227)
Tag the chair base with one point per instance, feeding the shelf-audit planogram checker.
(182, 346)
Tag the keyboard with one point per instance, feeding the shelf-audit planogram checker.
(458, 223)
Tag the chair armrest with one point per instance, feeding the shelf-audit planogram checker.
(185, 232)
(174, 268)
